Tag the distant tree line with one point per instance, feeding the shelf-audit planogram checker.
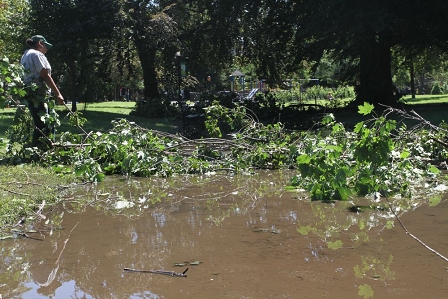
(103, 45)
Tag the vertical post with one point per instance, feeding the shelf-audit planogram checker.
(412, 71)
(209, 81)
(179, 96)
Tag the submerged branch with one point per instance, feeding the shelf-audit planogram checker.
(414, 237)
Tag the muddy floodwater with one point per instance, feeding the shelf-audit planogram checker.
(239, 237)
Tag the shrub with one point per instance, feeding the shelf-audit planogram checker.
(436, 88)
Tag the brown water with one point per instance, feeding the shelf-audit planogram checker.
(241, 237)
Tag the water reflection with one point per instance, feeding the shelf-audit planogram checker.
(241, 237)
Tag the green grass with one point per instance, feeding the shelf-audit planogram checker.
(426, 99)
(24, 188)
(99, 118)
(100, 115)
(6, 120)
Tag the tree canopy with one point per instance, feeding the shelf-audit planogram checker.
(101, 44)
(13, 27)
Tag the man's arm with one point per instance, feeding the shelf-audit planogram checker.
(50, 83)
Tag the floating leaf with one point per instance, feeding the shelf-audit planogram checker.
(434, 201)
(358, 271)
(365, 291)
(389, 224)
(195, 263)
(362, 225)
(334, 245)
(305, 230)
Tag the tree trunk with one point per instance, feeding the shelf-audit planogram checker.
(73, 88)
(375, 72)
(412, 79)
(147, 60)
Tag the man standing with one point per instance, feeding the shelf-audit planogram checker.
(38, 79)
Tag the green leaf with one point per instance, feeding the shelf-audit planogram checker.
(334, 245)
(365, 291)
(434, 201)
(433, 169)
(335, 148)
(344, 192)
(328, 119)
(358, 127)
(389, 224)
(99, 177)
(358, 271)
(404, 154)
(304, 159)
(305, 230)
(365, 109)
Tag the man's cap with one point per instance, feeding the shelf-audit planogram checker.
(37, 38)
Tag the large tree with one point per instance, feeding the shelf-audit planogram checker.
(154, 33)
(368, 30)
(82, 32)
(278, 35)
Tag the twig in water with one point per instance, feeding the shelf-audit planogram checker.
(414, 237)
(169, 273)
(53, 273)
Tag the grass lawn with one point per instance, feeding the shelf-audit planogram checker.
(433, 108)
(426, 99)
(99, 117)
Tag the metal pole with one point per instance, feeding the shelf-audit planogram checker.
(179, 96)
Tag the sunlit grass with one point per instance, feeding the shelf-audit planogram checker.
(24, 188)
(100, 115)
(426, 99)
(99, 118)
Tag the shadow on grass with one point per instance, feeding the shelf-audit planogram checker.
(102, 122)
(429, 99)
(6, 120)
(97, 121)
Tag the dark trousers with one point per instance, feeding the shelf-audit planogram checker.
(40, 129)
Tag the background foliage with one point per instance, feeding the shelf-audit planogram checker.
(102, 46)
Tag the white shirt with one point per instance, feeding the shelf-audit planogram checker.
(34, 61)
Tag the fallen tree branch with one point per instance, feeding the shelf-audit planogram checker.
(169, 273)
(14, 192)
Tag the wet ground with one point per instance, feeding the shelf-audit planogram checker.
(241, 237)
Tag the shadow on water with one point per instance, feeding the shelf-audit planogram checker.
(239, 237)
